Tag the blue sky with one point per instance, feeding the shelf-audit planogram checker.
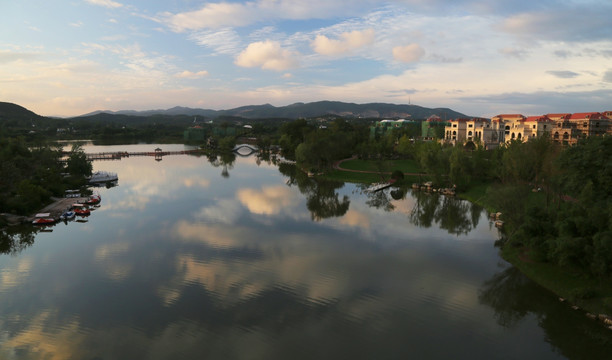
(479, 57)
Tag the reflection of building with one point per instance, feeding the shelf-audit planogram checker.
(563, 128)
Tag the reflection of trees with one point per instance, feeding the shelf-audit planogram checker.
(225, 160)
(15, 240)
(379, 200)
(513, 297)
(454, 215)
(322, 200)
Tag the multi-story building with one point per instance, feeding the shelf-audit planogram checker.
(589, 124)
(528, 128)
(478, 130)
(564, 128)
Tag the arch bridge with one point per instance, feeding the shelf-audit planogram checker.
(250, 148)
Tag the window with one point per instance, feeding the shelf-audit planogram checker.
(454, 125)
(469, 133)
(544, 126)
(470, 125)
(534, 126)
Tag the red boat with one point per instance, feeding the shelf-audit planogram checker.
(43, 221)
(81, 210)
(93, 199)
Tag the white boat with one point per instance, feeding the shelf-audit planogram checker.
(102, 177)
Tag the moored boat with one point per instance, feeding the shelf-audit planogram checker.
(102, 177)
(43, 221)
(67, 215)
(81, 210)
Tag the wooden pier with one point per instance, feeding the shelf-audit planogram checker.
(118, 155)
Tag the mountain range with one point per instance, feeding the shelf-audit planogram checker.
(302, 110)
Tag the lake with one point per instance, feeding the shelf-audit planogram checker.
(239, 258)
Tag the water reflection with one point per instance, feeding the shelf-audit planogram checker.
(225, 161)
(322, 199)
(178, 263)
(456, 216)
(15, 239)
(515, 299)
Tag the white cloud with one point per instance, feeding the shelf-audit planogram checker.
(212, 15)
(267, 55)
(223, 14)
(192, 75)
(347, 42)
(222, 41)
(408, 53)
(105, 3)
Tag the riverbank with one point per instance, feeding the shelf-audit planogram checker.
(579, 290)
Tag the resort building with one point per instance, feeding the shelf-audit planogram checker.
(564, 128)
(478, 130)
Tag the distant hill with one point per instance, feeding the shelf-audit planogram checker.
(10, 111)
(306, 110)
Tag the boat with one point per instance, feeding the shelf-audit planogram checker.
(81, 210)
(102, 177)
(93, 199)
(43, 221)
(67, 215)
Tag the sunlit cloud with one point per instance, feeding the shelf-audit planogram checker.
(225, 211)
(13, 276)
(355, 218)
(223, 14)
(192, 75)
(408, 53)
(347, 42)
(269, 200)
(267, 55)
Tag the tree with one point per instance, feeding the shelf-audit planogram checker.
(77, 164)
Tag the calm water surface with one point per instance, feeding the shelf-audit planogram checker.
(197, 258)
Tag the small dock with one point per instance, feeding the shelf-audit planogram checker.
(118, 155)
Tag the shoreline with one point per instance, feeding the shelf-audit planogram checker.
(55, 209)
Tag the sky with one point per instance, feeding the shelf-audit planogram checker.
(479, 57)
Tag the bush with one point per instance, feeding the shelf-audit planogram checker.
(583, 293)
(397, 175)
